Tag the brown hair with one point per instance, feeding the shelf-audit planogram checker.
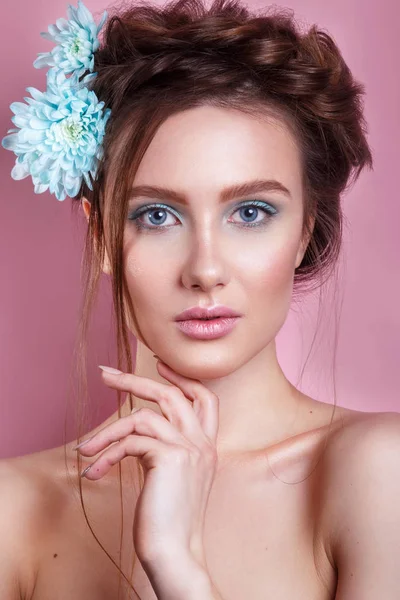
(156, 61)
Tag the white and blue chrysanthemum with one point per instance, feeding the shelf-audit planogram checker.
(59, 141)
(76, 41)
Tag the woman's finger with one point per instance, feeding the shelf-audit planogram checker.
(172, 401)
(143, 421)
(205, 402)
(143, 447)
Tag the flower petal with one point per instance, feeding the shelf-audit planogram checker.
(84, 15)
(36, 123)
(36, 94)
(62, 24)
(44, 59)
(9, 142)
(103, 20)
(47, 36)
(19, 171)
(19, 108)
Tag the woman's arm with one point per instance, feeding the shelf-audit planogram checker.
(178, 454)
(365, 509)
(179, 577)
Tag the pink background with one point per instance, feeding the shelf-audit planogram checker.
(41, 246)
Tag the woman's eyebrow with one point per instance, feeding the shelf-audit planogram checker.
(228, 193)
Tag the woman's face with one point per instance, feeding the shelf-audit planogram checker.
(202, 251)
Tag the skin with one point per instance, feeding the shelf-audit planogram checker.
(197, 262)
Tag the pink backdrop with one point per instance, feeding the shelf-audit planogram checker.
(41, 246)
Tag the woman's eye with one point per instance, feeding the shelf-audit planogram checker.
(252, 214)
(153, 218)
(251, 211)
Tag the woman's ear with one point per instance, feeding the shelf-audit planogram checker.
(305, 241)
(106, 268)
(86, 207)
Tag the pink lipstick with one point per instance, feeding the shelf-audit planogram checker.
(207, 324)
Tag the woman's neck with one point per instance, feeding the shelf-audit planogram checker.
(258, 406)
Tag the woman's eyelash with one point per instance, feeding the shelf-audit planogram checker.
(269, 210)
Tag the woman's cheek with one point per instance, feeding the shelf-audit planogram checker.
(271, 280)
(134, 268)
(149, 286)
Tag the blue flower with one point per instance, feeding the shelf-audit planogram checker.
(76, 41)
(60, 135)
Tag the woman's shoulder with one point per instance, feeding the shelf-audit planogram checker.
(37, 485)
(31, 477)
(20, 514)
(21, 492)
(361, 435)
(359, 464)
(358, 420)
(31, 494)
(362, 442)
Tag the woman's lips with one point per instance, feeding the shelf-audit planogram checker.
(207, 329)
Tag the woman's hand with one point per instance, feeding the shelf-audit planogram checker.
(179, 457)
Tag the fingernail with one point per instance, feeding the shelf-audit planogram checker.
(110, 370)
(81, 444)
(85, 471)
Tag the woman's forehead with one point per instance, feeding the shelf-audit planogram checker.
(206, 150)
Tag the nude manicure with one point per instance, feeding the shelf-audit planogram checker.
(110, 370)
(85, 471)
(81, 444)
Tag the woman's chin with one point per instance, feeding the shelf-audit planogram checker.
(203, 371)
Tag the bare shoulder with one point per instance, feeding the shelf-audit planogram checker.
(17, 529)
(361, 466)
(26, 499)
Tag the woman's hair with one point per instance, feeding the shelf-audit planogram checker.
(155, 61)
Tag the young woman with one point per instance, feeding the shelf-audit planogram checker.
(222, 145)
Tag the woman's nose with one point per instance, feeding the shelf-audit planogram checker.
(206, 266)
